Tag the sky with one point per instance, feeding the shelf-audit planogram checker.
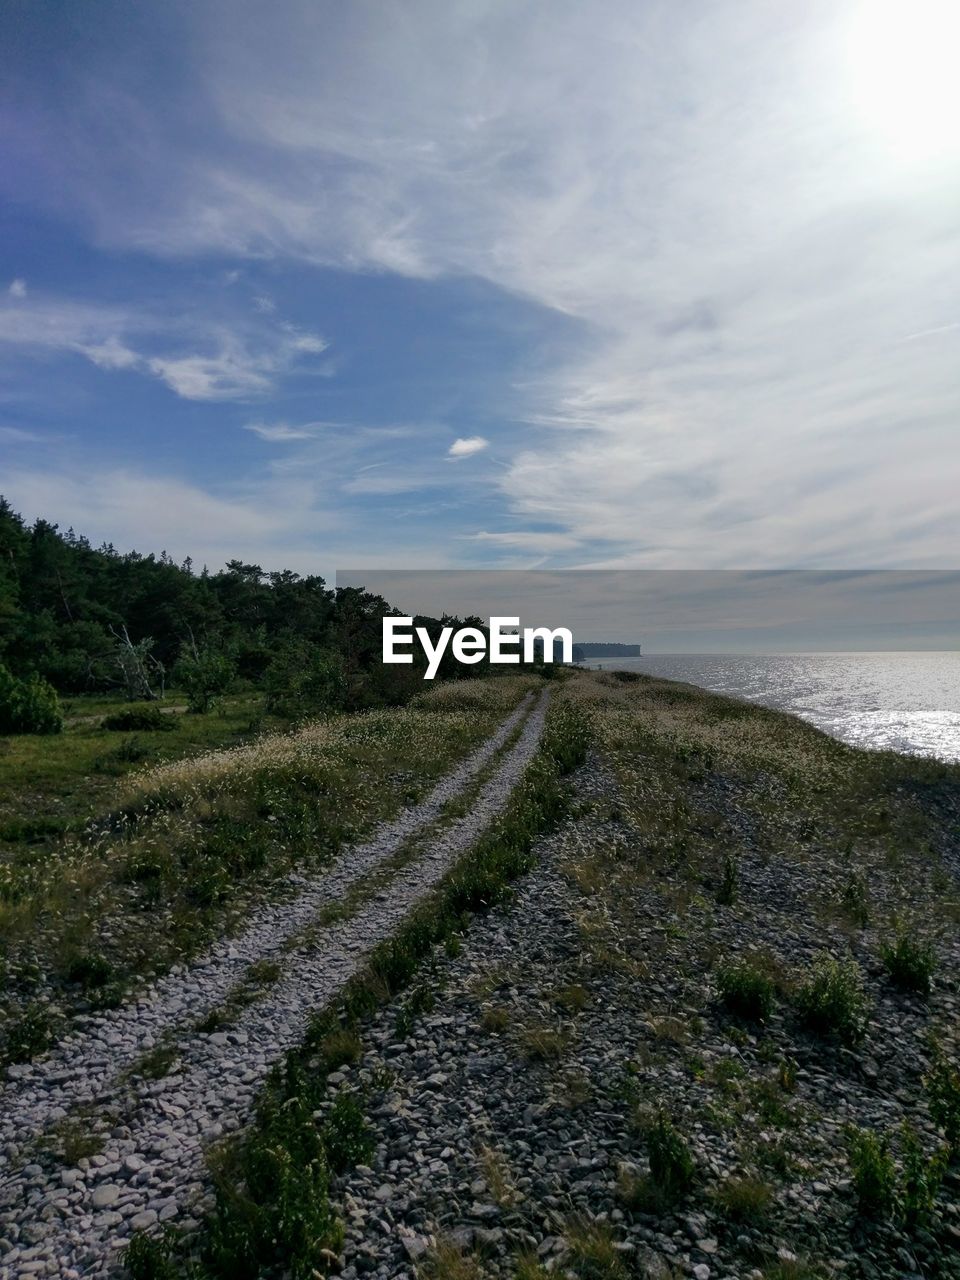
(499, 283)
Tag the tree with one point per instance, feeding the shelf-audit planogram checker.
(205, 676)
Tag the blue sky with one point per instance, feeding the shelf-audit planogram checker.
(491, 283)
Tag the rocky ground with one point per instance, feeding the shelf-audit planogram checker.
(515, 1088)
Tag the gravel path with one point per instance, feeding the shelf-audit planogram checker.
(83, 1064)
(69, 1222)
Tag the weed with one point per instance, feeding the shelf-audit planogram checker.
(542, 1043)
(745, 1199)
(873, 1170)
(745, 991)
(832, 1001)
(943, 1096)
(593, 1254)
(496, 1174)
(495, 1019)
(157, 1063)
(729, 884)
(527, 1266)
(143, 718)
(572, 999)
(671, 1164)
(263, 973)
(88, 971)
(446, 1262)
(909, 962)
(854, 899)
(27, 1035)
(346, 1136)
(151, 1257)
(921, 1176)
(338, 1049)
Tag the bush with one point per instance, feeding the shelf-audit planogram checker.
(303, 678)
(921, 1178)
(910, 962)
(873, 1170)
(855, 900)
(943, 1095)
(744, 1199)
(345, 1135)
(832, 1001)
(745, 991)
(204, 676)
(671, 1164)
(145, 719)
(28, 706)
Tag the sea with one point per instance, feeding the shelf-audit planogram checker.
(907, 702)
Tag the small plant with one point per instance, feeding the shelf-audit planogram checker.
(832, 1001)
(854, 899)
(151, 1257)
(745, 991)
(729, 882)
(909, 962)
(787, 1075)
(89, 971)
(543, 1044)
(144, 719)
(345, 1135)
(27, 1035)
(745, 1199)
(495, 1019)
(873, 1170)
(671, 1164)
(339, 1049)
(943, 1095)
(593, 1253)
(921, 1177)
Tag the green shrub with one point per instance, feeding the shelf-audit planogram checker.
(921, 1177)
(729, 882)
(745, 991)
(943, 1095)
(27, 1035)
(832, 1001)
(204, 675)
(874, 1173)
(345, 1135)
(88, 971)
(910, 962)
(854, 899)
(151, 1257)
(28, 706)
(745, 1199)
(671, 1164)
(145, 718)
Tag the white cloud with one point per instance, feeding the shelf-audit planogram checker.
(17, 435)
(278, 431)
(225, 364)
(528, 540)
(18, 288)
(744, 256)
(466, 446)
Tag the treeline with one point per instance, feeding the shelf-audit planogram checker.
(93, 619)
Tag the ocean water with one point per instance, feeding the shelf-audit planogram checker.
(907, 702)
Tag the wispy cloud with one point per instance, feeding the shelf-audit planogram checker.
(230, 365)
(467, 446)
(278, 431)
(18, 288)
(528, 540)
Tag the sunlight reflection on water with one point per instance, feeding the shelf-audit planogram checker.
(907, 702)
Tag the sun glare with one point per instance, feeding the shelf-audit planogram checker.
(906, 83)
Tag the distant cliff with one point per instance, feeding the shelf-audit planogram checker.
(588, 649)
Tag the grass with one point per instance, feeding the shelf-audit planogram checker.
(832, 1001)
(743, 1199)
(183, 849)
(910, 962)
(746, 991)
